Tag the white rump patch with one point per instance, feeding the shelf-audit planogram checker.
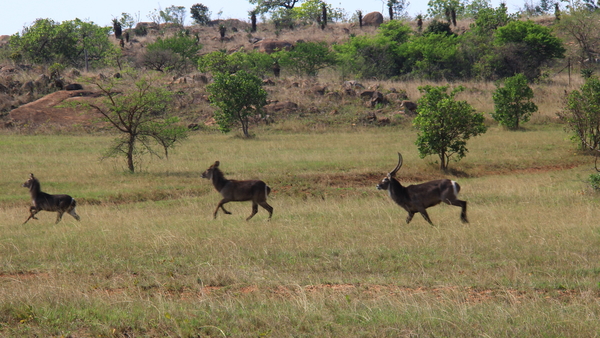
(454, 187)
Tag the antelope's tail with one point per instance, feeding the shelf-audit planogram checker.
(267, 190)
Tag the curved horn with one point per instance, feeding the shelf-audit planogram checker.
(393, 172)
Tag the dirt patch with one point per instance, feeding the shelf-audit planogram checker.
(55, 109)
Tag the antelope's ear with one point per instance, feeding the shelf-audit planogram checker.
(216, 164)
(31, 175)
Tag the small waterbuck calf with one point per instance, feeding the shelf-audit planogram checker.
(238, 191)
(419, 197)
(42, 201)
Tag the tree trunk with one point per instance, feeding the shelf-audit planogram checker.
(245, 127)
(130, 150)
(443, 160)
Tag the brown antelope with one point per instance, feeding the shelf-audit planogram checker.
(419, 197)
(238, 191)
(42, 201)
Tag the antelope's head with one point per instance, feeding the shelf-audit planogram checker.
(29, 183)
(208, 173)
(385, 182)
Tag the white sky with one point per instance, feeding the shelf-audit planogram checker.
(14, 15)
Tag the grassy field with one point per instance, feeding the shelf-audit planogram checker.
(336, 260)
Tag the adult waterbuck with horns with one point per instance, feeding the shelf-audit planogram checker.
(42, 201)
(238, 191)
(419, 197)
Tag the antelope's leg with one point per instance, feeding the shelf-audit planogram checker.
(32, 212)
(409, 217)
(254, 210)
(267, 207)
(220, 205)
(426, 216)
(74, 214)
(59, 216)
(463, 212)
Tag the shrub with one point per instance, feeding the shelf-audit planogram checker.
(307, 58)
(595, 181)
(582, 114)
(445, 124)
(200, 14)
(512, 103)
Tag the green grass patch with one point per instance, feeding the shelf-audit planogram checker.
(337, 259)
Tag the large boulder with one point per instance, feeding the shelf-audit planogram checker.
(372, 19)
(270, 46)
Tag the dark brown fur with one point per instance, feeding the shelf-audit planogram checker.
(419, 197)
(43, 201)
(238, 191)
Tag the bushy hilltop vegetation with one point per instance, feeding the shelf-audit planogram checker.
(317, 67)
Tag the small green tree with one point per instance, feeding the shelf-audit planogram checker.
(524, 47)
(200, 14)
(74, 43)
(171, 53)
(582, 114)
(444, 9)
(307, 58)
(311, 10)
(140, 115)
(253, 62)
(445, 124)
(237, 97)
(512, 103)
(127, 20)
(174, 14)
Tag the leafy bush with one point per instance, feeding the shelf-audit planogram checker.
(512, 103)
(255, 63)
(594, 180)
(47, 41)
(368, 57)
(237, 97)
(200, 14)
(445, 124)
(172, 53)
(436, 57)
(582, 114)
(311, 10)
(524, 47)
(307, 58)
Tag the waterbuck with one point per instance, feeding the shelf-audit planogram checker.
(42, 201)
(238, 191)
(419, 197)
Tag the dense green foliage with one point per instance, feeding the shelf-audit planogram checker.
(177, 53)
(582, 114)
(512, 103)
(496, 47)
(47, 41)
(443, 8)
(378, 56)
(255, 63)
(238, 97)
(141, 116)
(311, 11)
(307, 58)
(200, 13)
(594, 180)
(525, 46)
(445, 124)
